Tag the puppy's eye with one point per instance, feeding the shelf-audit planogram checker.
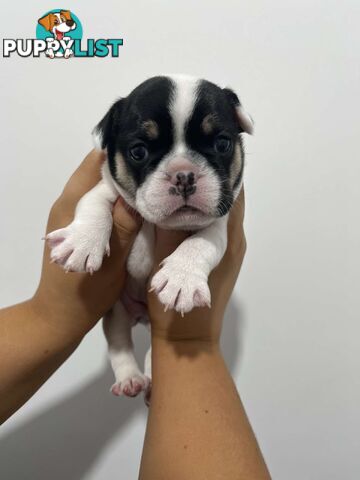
(222, 144)
(56, 21)
(139, 152)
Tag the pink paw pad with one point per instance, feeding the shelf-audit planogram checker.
(130, 387)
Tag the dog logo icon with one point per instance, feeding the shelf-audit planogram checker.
(58, 26)
(59, 34)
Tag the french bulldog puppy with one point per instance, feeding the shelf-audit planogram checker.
(175, 154)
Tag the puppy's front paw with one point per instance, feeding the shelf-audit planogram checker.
(78, 248)
(181, 286)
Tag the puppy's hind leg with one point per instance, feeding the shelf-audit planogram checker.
(147, 371)
(129, 380)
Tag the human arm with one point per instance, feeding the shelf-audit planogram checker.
(197, 426)
(38, 335)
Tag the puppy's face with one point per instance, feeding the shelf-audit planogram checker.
(58, 23)
(174, 150)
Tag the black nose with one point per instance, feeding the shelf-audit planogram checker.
(184, 184)
(69, 23)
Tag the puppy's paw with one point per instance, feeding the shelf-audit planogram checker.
(78, 248)
(147, 395)
(181, 286)
(131, 386)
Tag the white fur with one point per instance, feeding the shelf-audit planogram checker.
(181, 107)
(143, 248)
(182, 281)
(152, 196)
(82, 245)
(129, 380)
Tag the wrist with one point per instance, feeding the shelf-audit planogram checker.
(184, 346)
(57, 322)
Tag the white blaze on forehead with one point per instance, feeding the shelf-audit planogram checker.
(182, 105)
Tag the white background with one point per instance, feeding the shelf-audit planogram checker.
(291, 334)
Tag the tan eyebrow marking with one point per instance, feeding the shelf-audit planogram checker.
(151, 129)
(208, 124)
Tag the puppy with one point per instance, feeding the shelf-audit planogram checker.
(58, 24)
(175, 154)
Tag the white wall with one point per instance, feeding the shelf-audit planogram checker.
(291, 334)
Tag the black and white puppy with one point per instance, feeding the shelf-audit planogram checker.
(175, 154)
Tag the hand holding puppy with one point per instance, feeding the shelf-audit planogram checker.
(200, 324)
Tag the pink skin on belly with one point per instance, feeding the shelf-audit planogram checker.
(137, 309)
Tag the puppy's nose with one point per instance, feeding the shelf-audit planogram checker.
(69, 23)
(184, 183)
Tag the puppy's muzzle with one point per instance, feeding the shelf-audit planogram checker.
(184, 183)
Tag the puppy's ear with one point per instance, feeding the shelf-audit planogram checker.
(245, 121)
(66, 14)
(105, 129)
(46, 21)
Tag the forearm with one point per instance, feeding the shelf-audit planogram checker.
(31, 349)
(197, 426)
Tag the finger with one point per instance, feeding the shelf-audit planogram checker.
(85, 177)
(236, 218)
(167, 241)
(236, 236)
(126, 225)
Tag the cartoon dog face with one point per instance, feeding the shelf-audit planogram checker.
(175, 150)
(58, 23)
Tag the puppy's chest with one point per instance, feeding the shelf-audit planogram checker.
(141, 258)
(139, 266)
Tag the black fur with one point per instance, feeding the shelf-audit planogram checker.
(121, 128)
(214, 100)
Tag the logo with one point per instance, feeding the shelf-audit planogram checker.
(59, 35)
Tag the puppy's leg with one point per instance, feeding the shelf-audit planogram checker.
(147, 372)
(81, 246)
(129, 380)
(147, 364)
(181, 283)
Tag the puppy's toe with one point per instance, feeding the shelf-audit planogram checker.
(202, 296)
(78, 248)
(131, 386)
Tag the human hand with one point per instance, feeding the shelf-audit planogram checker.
(74, 302)
(201, 324)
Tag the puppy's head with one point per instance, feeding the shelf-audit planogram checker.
(58, 23)
(174, 150)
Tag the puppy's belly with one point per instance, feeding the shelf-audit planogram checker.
(135, 301)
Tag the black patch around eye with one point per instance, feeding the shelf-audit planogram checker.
(222, 144)
(139, 153)
(150, 100)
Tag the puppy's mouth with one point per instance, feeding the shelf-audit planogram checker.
(186, 212)
(59, 35)
(187, 209)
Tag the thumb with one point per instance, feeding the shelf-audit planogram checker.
(126, 224)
